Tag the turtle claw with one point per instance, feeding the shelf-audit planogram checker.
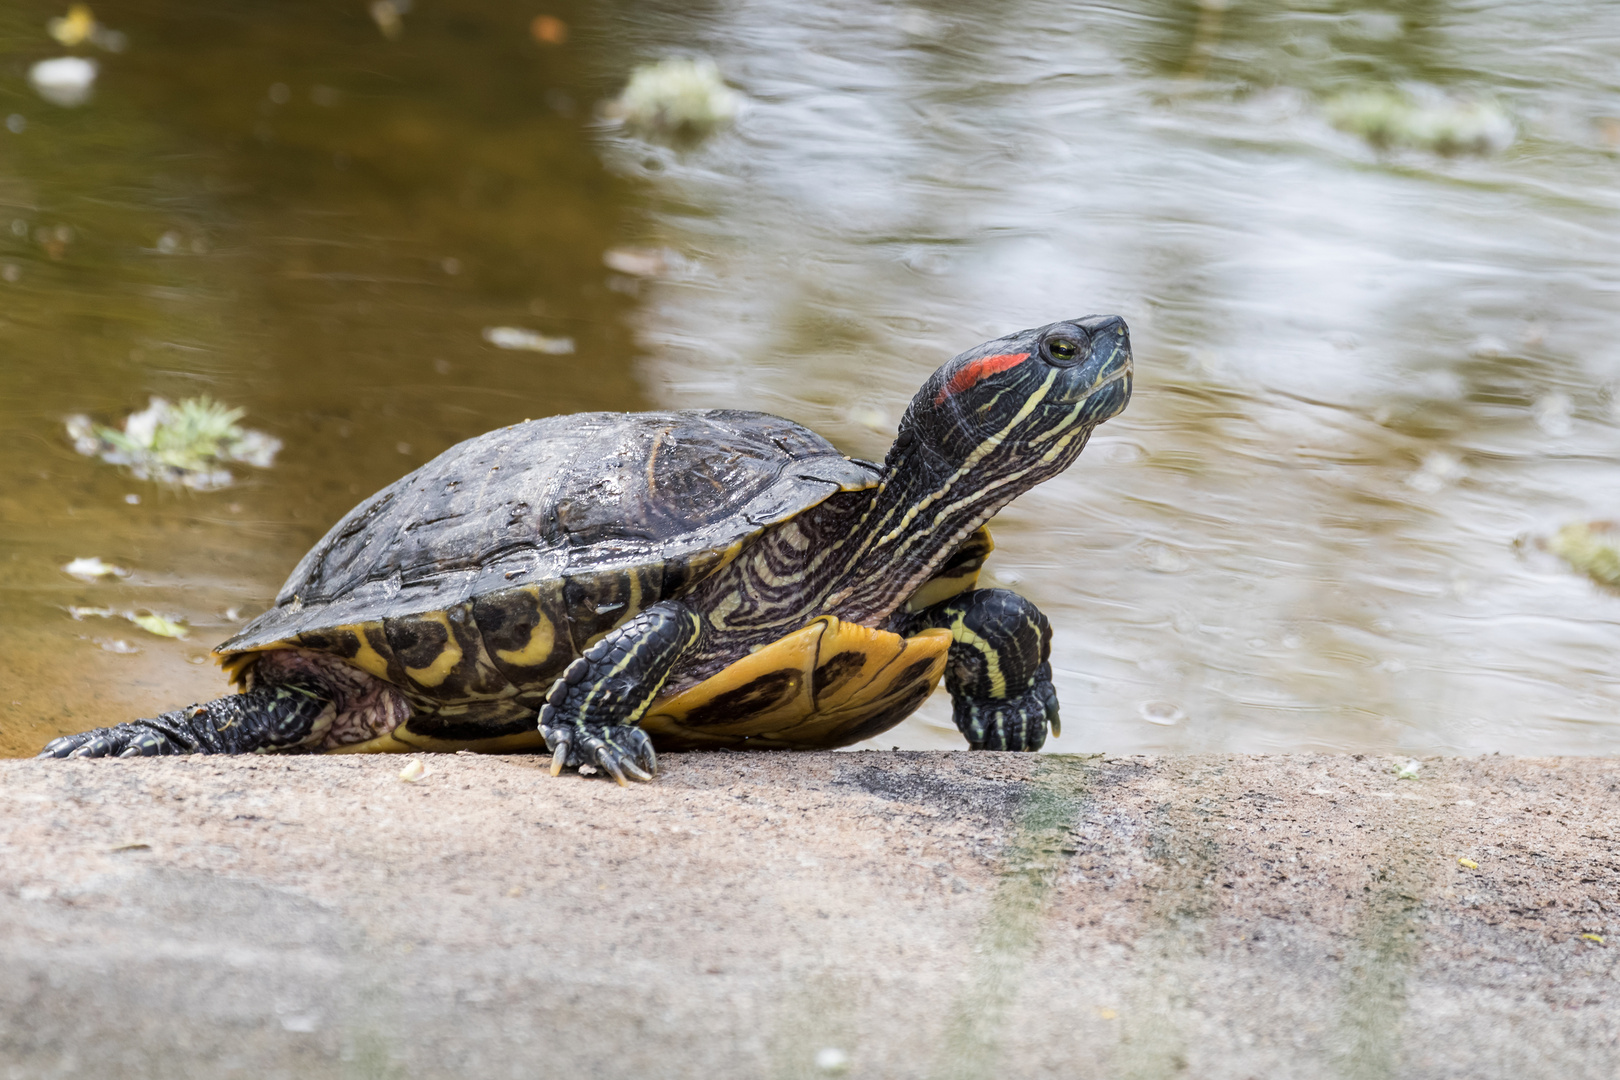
(622, 751)
(135, 739)
(559, 752)
(63, 747)
(1018, 722)
(604, 758)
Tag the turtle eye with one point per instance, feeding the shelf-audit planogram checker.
(1063, 351)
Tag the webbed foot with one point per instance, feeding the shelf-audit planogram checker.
(590, 714)
(142, 738)
(1000, 671)
(620, 750)
(1018, 722)
(271, 716)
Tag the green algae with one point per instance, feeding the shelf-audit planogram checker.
(1589, 547)
(188, 444)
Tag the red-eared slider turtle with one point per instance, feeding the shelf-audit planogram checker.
(605, 583)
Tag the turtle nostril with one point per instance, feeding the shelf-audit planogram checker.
(1098, 325)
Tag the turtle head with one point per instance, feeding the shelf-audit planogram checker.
(1017, 410)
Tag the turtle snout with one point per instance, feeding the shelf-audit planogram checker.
(1110, 346)
(1105, 377)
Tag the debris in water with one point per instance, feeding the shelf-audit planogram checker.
(1439, 469)
(93, 569)
(639, 262)
(79, 26)
(157, 624)
(830, 1059)
(413, 771)
(549, 30)
(186, 444)
(1421, 119)
(515, 337)
(675, 99)
(146, 620)
(117, 645)
(74, 28)
(387, 15)
(65, 81)
(1590, 547)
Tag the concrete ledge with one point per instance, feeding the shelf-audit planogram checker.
(890, 915)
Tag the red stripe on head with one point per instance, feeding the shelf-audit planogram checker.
(971, 374)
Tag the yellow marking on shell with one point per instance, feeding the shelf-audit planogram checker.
(367, 659)
(879, 688)
(803, 721)
(542, 639)
(236, 665)
(652, 459)
(793, 652)
(443, 664)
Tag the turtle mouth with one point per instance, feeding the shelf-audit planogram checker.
(1108, 396)
(1109, 392)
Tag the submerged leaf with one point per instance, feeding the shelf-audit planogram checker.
(157, 624)
(1590, 547)
(92, 569)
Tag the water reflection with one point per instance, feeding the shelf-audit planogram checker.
(298, 216)
(1362, 373)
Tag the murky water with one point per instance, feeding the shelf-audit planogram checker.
(1367, 379)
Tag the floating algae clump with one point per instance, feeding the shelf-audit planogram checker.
(679, 99)
(188, 444)
(1390, 118)
(1591, 548)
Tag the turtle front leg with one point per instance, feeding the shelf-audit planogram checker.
(590, 714)
(999, 670)
(267, 717)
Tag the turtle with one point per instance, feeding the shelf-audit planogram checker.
(605, 586)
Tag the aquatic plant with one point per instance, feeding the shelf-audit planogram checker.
(1591, 548)
(676, 99)
(1391, 118)
(186, 444)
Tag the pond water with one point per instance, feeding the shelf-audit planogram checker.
(1371, 378)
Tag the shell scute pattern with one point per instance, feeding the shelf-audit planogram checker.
(471, 583)
(818, 686)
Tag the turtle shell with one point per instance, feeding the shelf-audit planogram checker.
(474, 579)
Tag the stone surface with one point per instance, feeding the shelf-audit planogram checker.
(797, 915)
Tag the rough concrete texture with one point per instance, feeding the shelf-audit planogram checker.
(797, 915)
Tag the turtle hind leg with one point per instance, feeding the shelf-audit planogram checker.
(267, 717)
(591, 712)
(999, 670)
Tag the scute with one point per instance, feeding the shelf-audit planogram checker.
(831, 683)
(621, 509)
